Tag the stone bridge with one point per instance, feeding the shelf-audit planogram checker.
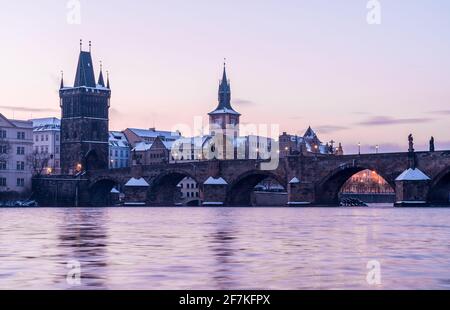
(312, 179)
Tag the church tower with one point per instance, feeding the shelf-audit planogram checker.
(224, 121)
(85, 119)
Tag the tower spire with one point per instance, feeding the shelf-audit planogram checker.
(107, 80)
(101, 81)
(90, 46)
(224, 90)
(81, 45)
(224, 76)
(62, 80)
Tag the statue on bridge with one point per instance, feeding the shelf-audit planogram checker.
(411, 143)
(432, 144)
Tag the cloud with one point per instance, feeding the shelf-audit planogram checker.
(440, 112)
(330, 129)
(28, 109)
(386, 120)
(239, 101)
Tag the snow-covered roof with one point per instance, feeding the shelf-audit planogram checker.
(294, 181)
(142, 147)
(22, 124)
(117, 138)
(224, 111)
(137, 182)
(413, 175)
(115, 191)
(168, 144)
(213, 181)
(197, 142)
(48, 123)
(151, 133)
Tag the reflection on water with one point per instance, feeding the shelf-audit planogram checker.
(216, 248)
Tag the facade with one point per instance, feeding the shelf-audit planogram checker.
(309, 143)
(224, 122)
(85, 120)
(46, 141)
(191, 149)
(16, 147)
(119, 150)
(189, 190)
(148, 153)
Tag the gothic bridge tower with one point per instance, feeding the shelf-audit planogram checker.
(85, 119)
(224, 120)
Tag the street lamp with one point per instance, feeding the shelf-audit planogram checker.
(79, 167)
(359, 148)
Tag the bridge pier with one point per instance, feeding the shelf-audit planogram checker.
(215, 192)
(412, 188)
(299, 193)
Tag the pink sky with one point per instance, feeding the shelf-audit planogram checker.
(295, 63)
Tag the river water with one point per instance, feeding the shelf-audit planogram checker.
(225, 248)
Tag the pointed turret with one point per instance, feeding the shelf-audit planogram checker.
(101, 81)
(225, 91)
(62, 80)
(85, 70)
(107, 80)
(310, 134)
(224, 95)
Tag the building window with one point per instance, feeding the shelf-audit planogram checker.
(20, 135)
(20, 150)
(46, 137)
(36, 138)
(20, 182)
(57, 149)
(20, 166)
(2, 182)
(4, 149)
(2, 165)
(2, 134)
(57, 137)
(42, 137)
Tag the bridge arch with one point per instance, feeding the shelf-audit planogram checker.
(240, 191)
(328, 189)
(164, 189)
(100, 191)
(439, 192)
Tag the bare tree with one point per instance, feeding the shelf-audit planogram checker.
(38, 162)
(5, 147)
